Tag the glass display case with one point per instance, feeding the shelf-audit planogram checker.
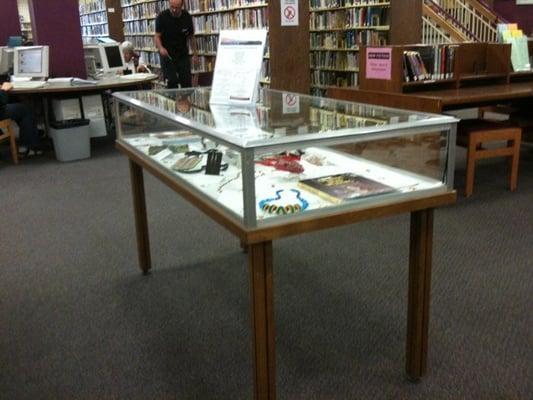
(290, 156)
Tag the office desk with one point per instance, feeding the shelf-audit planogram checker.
(51, 90)
(101, 85)
(439, 101)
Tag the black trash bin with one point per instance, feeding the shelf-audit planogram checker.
(71, 139)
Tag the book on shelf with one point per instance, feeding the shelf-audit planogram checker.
(429, 63)
(344, 187)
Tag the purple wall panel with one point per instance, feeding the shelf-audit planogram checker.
(522, 15)
(56, 23)
(9, 20)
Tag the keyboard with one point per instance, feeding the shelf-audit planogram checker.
(28, 84)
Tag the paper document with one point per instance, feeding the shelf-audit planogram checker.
(238, 66)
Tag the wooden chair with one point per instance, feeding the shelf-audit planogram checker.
(6, 132)
(474, 133)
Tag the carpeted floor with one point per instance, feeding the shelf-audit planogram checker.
(79, 321)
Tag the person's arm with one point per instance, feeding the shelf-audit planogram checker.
(157, 39)
(6, 87)
(141, 65)
(162, 51)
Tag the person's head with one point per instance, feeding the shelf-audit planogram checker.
(127, 50)
(175, 7)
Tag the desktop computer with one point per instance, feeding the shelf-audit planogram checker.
(31, 62)
(30, 67)
(6, 61)
(107, 58)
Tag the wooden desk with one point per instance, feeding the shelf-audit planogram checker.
(99, 86)
(62, 90)
(258, 241)
(438, 101)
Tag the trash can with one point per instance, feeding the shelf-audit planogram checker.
(71, 139)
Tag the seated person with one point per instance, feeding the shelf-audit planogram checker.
(29, 143)
(134, 62)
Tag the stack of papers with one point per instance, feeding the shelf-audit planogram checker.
(72, 81)
(509, 33)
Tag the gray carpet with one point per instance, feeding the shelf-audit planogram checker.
(79, 321)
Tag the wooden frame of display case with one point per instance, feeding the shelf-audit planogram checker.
(260, 260)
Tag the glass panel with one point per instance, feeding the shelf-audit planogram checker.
(279, 117)
(349, 175)
(277, 161)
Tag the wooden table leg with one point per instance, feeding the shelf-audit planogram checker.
(261, 285)
(141, 222)
(421, 239)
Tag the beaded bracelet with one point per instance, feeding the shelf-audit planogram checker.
(283, 209)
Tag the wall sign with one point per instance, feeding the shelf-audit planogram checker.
(378, 63)
(289, 12)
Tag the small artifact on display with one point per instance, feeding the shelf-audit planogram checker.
(214, 162)
(275, 205)
(153, 150)
(284, 162)
(342, 187)
(188, 164)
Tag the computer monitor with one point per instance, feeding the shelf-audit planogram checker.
(31, 61)
(112, 58)
(6, 60)
(108, 58)
(14, 41)
(93, 51)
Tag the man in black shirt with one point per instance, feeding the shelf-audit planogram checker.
(173, 27)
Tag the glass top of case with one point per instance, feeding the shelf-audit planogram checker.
(279, 117)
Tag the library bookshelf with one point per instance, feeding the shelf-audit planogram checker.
(100, 19)
(472, 64)
(209, 17)
(337, 28)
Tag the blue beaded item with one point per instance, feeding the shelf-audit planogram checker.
(283, 209)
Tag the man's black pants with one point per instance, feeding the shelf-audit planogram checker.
(177, 70)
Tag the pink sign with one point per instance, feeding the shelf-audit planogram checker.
(378, 63)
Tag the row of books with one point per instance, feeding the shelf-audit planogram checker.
(207, 44)
(429, 63)
(200, 98)
(239, 19)
(95, 18)
(217, 5)
(347, 39)
(328, 119)
(205, 64)
(144, 10)
(329, 78)
(343, 3)
(142, 42)
(95, 30)
(91, 6)
(146, 26)
(353, 17)
(332, 59)
(127, 3)
(150, 57)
